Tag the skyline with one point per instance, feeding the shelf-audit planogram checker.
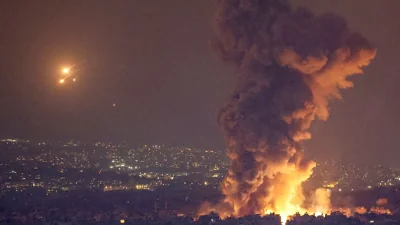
(164, 80)
(22, 158)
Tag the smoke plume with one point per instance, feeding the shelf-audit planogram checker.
(291, 64)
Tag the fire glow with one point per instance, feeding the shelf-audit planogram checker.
(291, 64)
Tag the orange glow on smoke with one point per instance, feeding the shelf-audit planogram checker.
(288, 201)
(289, 73)
(286, 197)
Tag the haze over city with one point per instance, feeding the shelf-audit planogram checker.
(167, 86)
(248, 107)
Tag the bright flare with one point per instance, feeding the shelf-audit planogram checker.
(62, 81)
(65, 70)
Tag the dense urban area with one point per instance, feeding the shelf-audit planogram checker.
(58, 166)
(105, 183)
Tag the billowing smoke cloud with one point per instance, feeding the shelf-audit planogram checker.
(291, 64)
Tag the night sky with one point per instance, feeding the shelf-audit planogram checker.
(152, 60)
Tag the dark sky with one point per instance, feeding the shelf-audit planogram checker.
(151, 58)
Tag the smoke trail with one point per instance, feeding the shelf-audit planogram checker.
(291, 63)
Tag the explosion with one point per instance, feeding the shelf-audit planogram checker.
(291, 64)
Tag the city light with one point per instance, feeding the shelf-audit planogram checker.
(122, 221)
